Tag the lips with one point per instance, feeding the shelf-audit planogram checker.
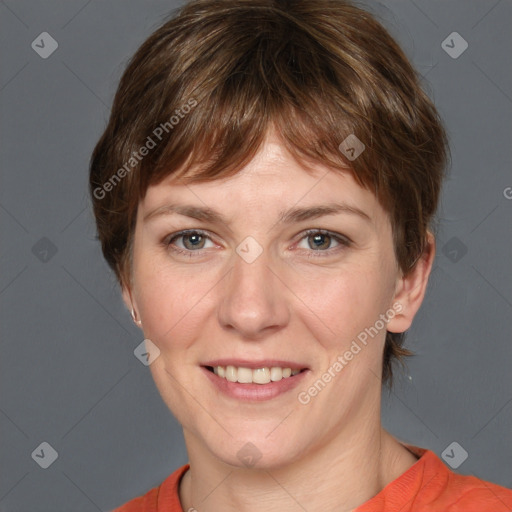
(254, 380)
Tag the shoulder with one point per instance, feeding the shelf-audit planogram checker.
(444, 490)
(429, 485)
(162, 498)
(466, 493)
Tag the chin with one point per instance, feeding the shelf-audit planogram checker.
(256, 452)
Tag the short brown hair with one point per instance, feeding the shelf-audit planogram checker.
(215, 78)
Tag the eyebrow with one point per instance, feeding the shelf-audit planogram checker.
(290, 216)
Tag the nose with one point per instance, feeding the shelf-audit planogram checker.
(254, 301)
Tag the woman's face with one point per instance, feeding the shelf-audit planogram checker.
(278, 269)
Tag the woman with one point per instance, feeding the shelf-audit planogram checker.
(263, 192)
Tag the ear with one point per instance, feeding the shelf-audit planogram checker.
(130, 304)
(127, 297)
(410, 289)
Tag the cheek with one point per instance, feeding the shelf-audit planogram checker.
(339, 305)
(172, 303)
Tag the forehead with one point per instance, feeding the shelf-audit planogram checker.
(272, 181)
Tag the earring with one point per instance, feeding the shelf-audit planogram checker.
(138, 322)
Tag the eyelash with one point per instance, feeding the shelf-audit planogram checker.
(341, 240)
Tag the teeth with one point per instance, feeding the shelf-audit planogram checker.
(244, 375)
(261, 376)
(250, 376)
(231, 373)
(276, 374)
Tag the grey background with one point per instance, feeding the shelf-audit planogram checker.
(68, 373)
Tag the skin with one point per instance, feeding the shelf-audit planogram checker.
(331, 453)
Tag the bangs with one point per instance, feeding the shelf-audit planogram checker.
(256, 85)
(222, 147)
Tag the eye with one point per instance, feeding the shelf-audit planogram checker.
(322, 241)
(188, 241)
(316, 242)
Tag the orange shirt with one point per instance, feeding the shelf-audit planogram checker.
(427, 486)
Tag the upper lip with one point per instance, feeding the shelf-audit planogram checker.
(262, 363)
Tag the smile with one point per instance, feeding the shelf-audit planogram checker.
(254, 381)
(245, 375)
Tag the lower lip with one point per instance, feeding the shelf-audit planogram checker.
(254, 392)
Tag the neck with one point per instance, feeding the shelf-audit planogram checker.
(340, 474)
